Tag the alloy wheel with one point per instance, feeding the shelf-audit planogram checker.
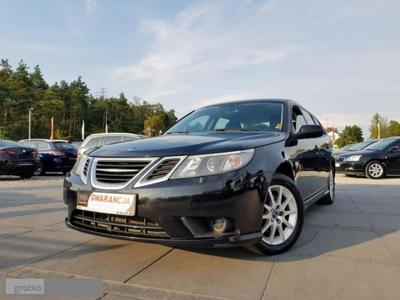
(375, 170)
(279, 216)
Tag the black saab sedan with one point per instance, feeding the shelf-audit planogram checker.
(17, 160)
(376, 161)
(238, 173)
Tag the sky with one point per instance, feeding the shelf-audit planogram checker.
(339, 59)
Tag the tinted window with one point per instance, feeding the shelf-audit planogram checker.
(111, 139)
(92, 143)
(252, 116)
(64, 146)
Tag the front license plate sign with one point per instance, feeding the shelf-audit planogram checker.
(116, 204)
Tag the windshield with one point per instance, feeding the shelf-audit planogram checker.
(5, 143)
(380, 145)
(64, 146)
(261, 116)
(360, 146)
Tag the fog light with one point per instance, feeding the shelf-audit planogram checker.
(219, 225)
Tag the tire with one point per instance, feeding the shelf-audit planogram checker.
(40, 170)
(375, 170)
(26, 175)
(279, 236)
(329, 198)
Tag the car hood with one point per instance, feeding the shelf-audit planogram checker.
(360, 152)
(184, 144)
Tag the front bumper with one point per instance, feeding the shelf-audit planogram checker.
(181, 209)
(353, 168)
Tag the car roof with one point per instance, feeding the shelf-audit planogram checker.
(266, 100)
(113, 134)
(44, 140)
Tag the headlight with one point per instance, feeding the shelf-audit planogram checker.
(353, 158)
(79, 164)
(212, 164)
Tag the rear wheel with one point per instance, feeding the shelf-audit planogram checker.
(283, 216)
(375, 170)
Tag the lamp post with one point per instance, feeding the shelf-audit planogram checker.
(30, 121)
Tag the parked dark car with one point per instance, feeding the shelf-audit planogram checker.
(17, 160)
(340, 157)
(376, 161)
(55, 155)
(239, 173)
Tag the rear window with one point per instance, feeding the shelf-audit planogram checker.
(92, 143)
(111, 139)
(4, 144)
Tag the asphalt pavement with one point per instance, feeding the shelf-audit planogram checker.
(350, 250)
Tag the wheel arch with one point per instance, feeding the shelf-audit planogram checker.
(286, 168)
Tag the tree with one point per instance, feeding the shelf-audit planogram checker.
(69, 103)
(393, 128)
(373, 128)
(153, 125)
(350, 135)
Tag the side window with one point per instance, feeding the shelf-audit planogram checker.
(42, 146)
(111, 139)
(298, 119)
(308, 117)
(92, 143)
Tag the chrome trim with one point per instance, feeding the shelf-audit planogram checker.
(82, 176)
(118, 186)
(144, 182)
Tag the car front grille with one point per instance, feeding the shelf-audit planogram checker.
(163, 169)
(118, 171)
(128, 226)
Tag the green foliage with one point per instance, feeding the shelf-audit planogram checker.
(350, 135)
(153, 125)
(374, 127)
(394, 128)
(387, 128)
(69, 103)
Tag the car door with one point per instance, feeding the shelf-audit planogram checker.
(393, 159)
(303, 156)
(322, 153)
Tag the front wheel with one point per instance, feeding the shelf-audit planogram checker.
(375, 170)
(283, 216)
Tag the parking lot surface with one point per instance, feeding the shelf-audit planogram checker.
(348, 250)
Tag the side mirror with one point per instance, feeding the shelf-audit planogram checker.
(394, 148)
(310, 131)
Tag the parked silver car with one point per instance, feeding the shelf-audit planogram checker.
(101, 139)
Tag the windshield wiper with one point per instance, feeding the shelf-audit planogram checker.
(231, 129)
(178, 132)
